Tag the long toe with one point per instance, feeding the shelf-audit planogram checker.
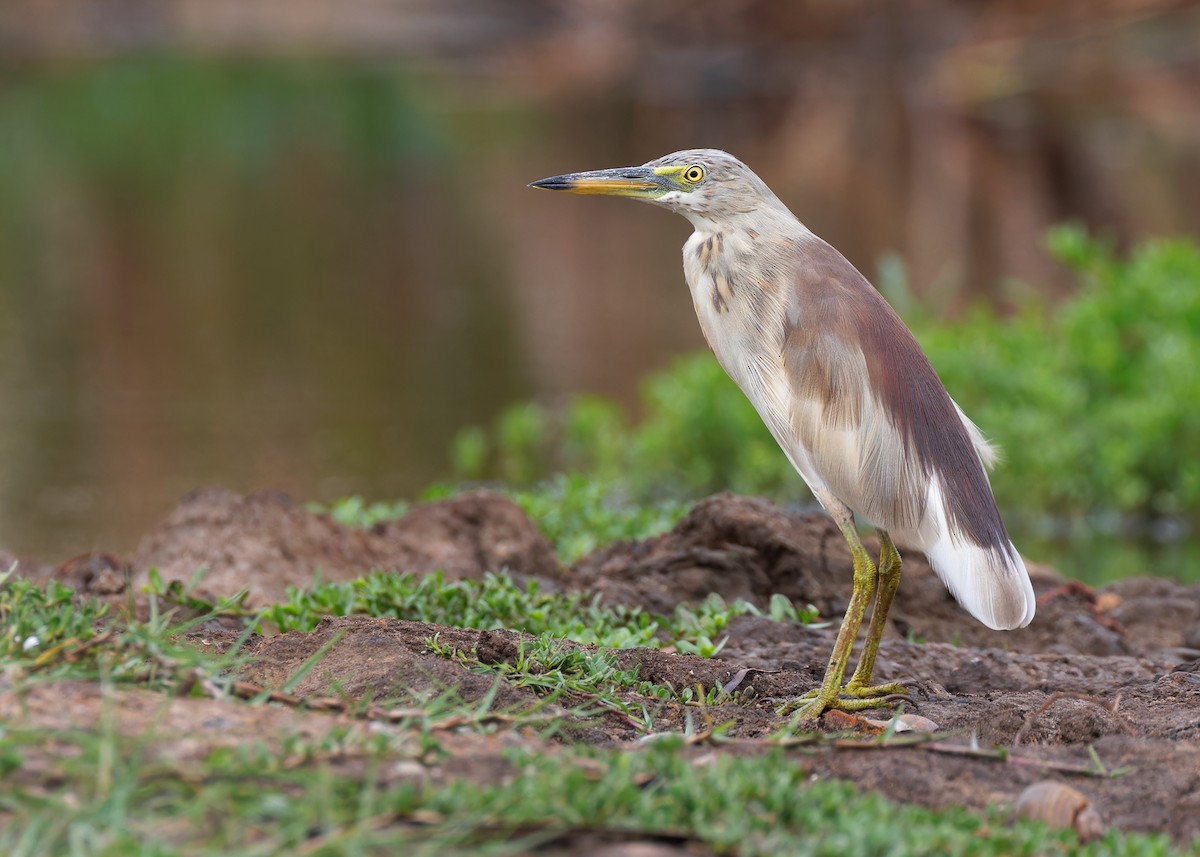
(885, 700)
(858, 691)
(809, 708)
(851, 698)
(804, 700)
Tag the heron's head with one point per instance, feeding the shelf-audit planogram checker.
(701, 184)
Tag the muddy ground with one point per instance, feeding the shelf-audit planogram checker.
(1113, 672)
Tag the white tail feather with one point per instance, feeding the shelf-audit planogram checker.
(991, 583)
(993, 586)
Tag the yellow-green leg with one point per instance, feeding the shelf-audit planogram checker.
(826, 697)
(889, 581)
(858, 694)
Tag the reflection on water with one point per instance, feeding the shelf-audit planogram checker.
(307, 275)
(298, 277)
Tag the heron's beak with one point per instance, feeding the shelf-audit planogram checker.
(638, 182)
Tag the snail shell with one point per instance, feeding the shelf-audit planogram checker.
(915, 723)
(903, 723)
(1061, 806)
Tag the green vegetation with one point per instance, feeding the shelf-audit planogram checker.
(498, 602)
(357, 512)
(577, 513)
(698, 434)
(103, 792)
(49, 631)
(37, 619)
(553, 668)
(299, 799)
(1095, 401)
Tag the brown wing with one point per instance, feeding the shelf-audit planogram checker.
(871, 411)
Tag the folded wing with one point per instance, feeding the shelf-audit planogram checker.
(876, 427)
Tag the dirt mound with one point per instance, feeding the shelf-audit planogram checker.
(265, 543)
(737, 547)
(381, 659)
(744, 547)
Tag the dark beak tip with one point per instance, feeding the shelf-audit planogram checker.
(552, 183)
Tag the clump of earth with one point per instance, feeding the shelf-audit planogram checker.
(1110, 673)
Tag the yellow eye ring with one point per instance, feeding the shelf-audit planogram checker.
(693, 174)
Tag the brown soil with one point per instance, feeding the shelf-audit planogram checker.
(1111, 671)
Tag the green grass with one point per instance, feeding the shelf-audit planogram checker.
(546, 663)
(111, 796)
(39, 619)
(96, 793)
(48, 631)
(498, 602)
(553, 668)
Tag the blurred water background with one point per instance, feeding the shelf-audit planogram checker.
(289, 244)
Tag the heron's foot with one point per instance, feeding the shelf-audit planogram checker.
(854, 690)
(852, 697)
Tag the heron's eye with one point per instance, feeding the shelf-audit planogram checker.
(693, 174)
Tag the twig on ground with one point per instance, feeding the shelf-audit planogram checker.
(999, 754)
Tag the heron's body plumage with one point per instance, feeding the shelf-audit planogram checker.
(844, 388)
(854, 403)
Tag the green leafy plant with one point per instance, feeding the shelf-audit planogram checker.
(498, 602)
(577, 513)
(357, 512)
(38, 620)
(50, 631)
(1094, 401)
(554, 668)
(699, 434)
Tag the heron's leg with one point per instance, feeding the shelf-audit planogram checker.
(864, 585)
(889, 581)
